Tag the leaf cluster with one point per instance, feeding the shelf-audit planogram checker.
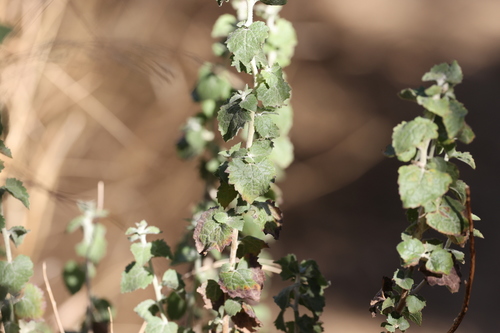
(432, 193)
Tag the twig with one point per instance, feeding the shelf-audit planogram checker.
(143, 327)
(468, 288)
(51, 296)
(110, 320)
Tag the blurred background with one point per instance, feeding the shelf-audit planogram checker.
(98, 90)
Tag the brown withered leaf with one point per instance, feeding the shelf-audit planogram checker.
(452, 281)
(381, 295)
(245, 283)
(212, 295)
(209, 234)
(246, 319)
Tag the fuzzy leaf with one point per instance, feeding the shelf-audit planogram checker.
(418, 186)
(259, 150)
(143, 309)
(454, 121)
(244, 283)
(141, 252)
(96, 250)
(32, 304)
(251, 180)
(411, 250)
(272, 89)
(17, 234)
(232, 307)
(232, 117)
(209, 234)
(160, 249)
(226, 194)
(157, 325)
(415, 304)
(402, 279)
(18, 191)
(440, 261)
(448, 218)
(246, 43)
(172, 279)
(442, 73)
(465, 157)
(250, 245)
(4, 150)
(135, 277)
(15, 274)
(265, 126)
(408, 136)
(282, 41)
(176, 306)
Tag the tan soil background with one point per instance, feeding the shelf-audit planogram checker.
(97, 90)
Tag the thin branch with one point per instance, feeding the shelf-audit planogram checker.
(51, 296)
(468, 288)
(110, 320)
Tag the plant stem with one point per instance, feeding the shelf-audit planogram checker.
(295, 306)
(6, 240)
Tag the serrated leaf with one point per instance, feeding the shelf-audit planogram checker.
(15, 274)
(17, 190)
(265, 126)
(232, 117)
(143, 309)
(259, 150)
(418, 186)
(73, 276)
(141, 252)
(176, 306)
(454, 120)
(272, 89)
(415, 304)
(246, 43)
(160, 249)
(440, 261)
(251, 180)
(465, 157)
(172, 279)
(402, 279)
(232, 307)
(31, 305)
(442, 73)
(283, 297)
(267, 216)
(244, 283)
(135, 277)
(5, 151)
(289, 266)
(249, 102)
(210, 234)
(411, 250)
(448, 219)
(408, 136)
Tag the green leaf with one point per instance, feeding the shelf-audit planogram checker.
(415, 304)
(465, 157)
(289, 266)
(15, 274)
(411, 250)
(4, 31)
(176, 306)
(17, 234)
(32, 303)
(225, 24)
(157, 325)
(282, 154)
(418, 186)
(402, 279)
(232, 117)
(226, 194)
(398, 322)
(454, 121)
(160, 249)
(440, 106)
(259, 151)
(246, 43)
(17, 190)
(213, 297)
(448, 219)
(210, 234)
(282, 41)
(143, 309)
(408, 136)
(4, 150)
(250, 245)
(274, 2)
(272, 88)
(244, 283)
(74, 276)
(135, 277)
(466, 135)
(141, 252)
(283, 297)
(232, 307)
(172, 279)
(265, 126)
(251, 180)
(440, 261)
(442, 73)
